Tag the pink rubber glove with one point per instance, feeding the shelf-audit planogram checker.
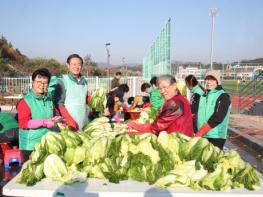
(44, 122)
(48, 123)
(116, 118)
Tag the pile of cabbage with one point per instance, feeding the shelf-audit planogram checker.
(147, 115)
(98, 100)
(105, 151)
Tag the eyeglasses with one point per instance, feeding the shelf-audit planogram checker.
(39, 83)
(163, 88)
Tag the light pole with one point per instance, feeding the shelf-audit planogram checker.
(108, 56)
(223, 71)
(213, 14)
(123, 64)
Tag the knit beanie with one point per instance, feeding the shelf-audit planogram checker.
(214, 73)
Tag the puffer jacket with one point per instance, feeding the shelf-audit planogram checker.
(174, 116)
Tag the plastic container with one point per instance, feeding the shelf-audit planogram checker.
(11, 156)
(134, 115)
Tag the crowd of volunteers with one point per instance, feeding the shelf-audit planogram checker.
(206, 115)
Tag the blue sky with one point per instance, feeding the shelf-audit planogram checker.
(57, 28)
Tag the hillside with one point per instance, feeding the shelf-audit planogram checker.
(15, 64)
(7, 51)
(254, 61)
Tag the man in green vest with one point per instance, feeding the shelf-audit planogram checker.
(71, 94)
(35, 113)
(214, 110)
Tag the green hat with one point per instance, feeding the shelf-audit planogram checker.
(7, 122)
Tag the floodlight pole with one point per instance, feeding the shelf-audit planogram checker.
(213, 14)
(108, 56)
(123, 65)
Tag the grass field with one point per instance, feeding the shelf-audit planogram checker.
(232, 86)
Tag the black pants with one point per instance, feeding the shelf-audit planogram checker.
(195, 124)
(26, 154)
(217, 142)
(9, 136)
(127, 116)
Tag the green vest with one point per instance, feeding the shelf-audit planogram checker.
(156, 98)
(205, 111)
(197, 90)
(40, 108)
(51, 87)
(75, 101)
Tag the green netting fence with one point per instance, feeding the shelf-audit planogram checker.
(157, 60)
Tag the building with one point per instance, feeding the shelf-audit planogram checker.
(183, 72)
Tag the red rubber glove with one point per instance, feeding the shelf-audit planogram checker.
(141, 128)
(146, 105)
(125, 107)
(71, 122)
(203, 130)
(88, 99)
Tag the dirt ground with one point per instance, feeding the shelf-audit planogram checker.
(4, 101)
(247, 124)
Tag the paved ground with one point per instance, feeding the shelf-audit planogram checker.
(247, 124)
(235, 101)
(246, 134)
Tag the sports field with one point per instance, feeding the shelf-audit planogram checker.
(232, 86)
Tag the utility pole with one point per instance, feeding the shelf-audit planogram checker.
(213, 14)
(108, 57)
(123, 66)
(223, 72)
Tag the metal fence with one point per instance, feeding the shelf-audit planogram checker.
(13, 86)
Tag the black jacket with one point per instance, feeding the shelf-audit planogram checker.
(222, 104)
(194, 109)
